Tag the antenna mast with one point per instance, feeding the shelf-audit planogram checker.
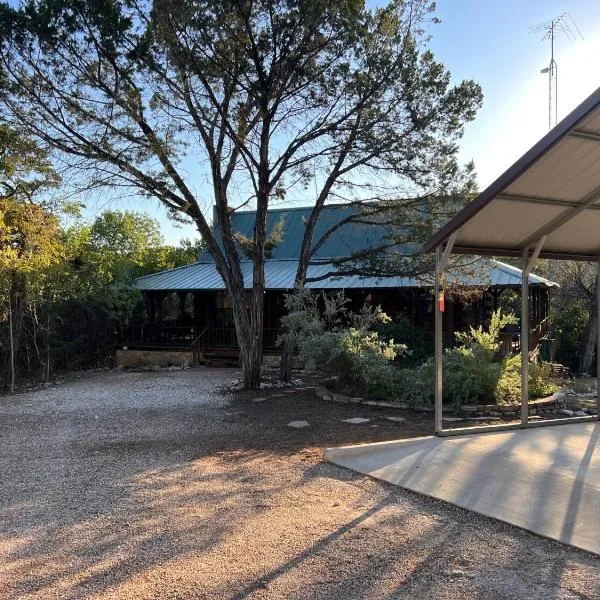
(562, 24)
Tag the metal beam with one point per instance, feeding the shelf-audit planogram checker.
(538, 248)
(509, 426)
(585, 135)
(447, 252)
(515, 252)
(543, 201)
(561, 219)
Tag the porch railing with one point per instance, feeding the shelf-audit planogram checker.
(190, 336)
(511, 341)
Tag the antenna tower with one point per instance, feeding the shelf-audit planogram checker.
(562, 24)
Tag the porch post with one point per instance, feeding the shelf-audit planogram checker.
(525, 338)
(438, 342)
(598, 339)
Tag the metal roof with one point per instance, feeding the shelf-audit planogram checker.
(345, 240)
(279, 275)
(549, 199)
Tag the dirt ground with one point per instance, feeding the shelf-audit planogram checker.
(163, 485)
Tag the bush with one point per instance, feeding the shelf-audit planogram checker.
(402, 331)
(474, 374)
(342, 343)
(568, 327)
(468, 379)
(508, 390)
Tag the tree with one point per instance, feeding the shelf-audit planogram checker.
(268, 95)
(576, 296)
(105, 255)
(29, 240)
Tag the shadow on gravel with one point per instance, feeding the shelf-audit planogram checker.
(151, 487)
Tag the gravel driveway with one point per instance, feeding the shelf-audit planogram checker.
(161, 485)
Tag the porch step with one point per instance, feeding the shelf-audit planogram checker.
(226, 357)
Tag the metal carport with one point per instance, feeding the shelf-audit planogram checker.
(546, 205)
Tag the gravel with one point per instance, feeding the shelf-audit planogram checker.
(163, 485)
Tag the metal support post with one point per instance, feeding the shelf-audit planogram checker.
(525, 339)
(438, 342)
(598, 340)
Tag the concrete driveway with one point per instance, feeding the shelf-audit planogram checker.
(546, 480)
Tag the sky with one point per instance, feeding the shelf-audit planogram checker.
(490, 43)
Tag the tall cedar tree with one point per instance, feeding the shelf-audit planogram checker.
(262, 94)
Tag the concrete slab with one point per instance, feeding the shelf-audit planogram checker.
(546, 480)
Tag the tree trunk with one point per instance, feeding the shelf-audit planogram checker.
(47, 369)
(286, 362)
(11, 343)
(248, 334)
(590, 338)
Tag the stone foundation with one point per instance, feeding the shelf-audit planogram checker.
(152, 358)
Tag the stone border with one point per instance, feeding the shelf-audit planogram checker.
(329, 396)
(536, 407)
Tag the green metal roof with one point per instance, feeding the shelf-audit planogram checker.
(348, 239)
(281, 267)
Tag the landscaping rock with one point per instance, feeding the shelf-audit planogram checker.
(298, 424)
(258, 399)
(356, 420)
(396, 419)
(452, 419)
(567, 412)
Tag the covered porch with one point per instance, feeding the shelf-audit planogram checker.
(198, 317)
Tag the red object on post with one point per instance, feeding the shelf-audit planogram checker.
(441, 302)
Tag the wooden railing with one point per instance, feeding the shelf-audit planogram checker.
(537, 333)
(198, 346)
(510, 342)
(157, 335)
(225, 337)
(195, 337)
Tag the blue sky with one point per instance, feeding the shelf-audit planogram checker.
(490, 43)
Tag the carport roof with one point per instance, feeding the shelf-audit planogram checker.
(550, 197)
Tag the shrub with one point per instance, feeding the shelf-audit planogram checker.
(508, 389)
(473, 372)
(402, 331)
(341, 342)
(468, 379)
(568, 327)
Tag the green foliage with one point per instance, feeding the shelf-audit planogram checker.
(25, 169)
(487, 342)
(273, 240)
(69, 288)
(470, 377)
(508, 389)
(568, 326)
(473, 372)
(403, 332)
(342, 343)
